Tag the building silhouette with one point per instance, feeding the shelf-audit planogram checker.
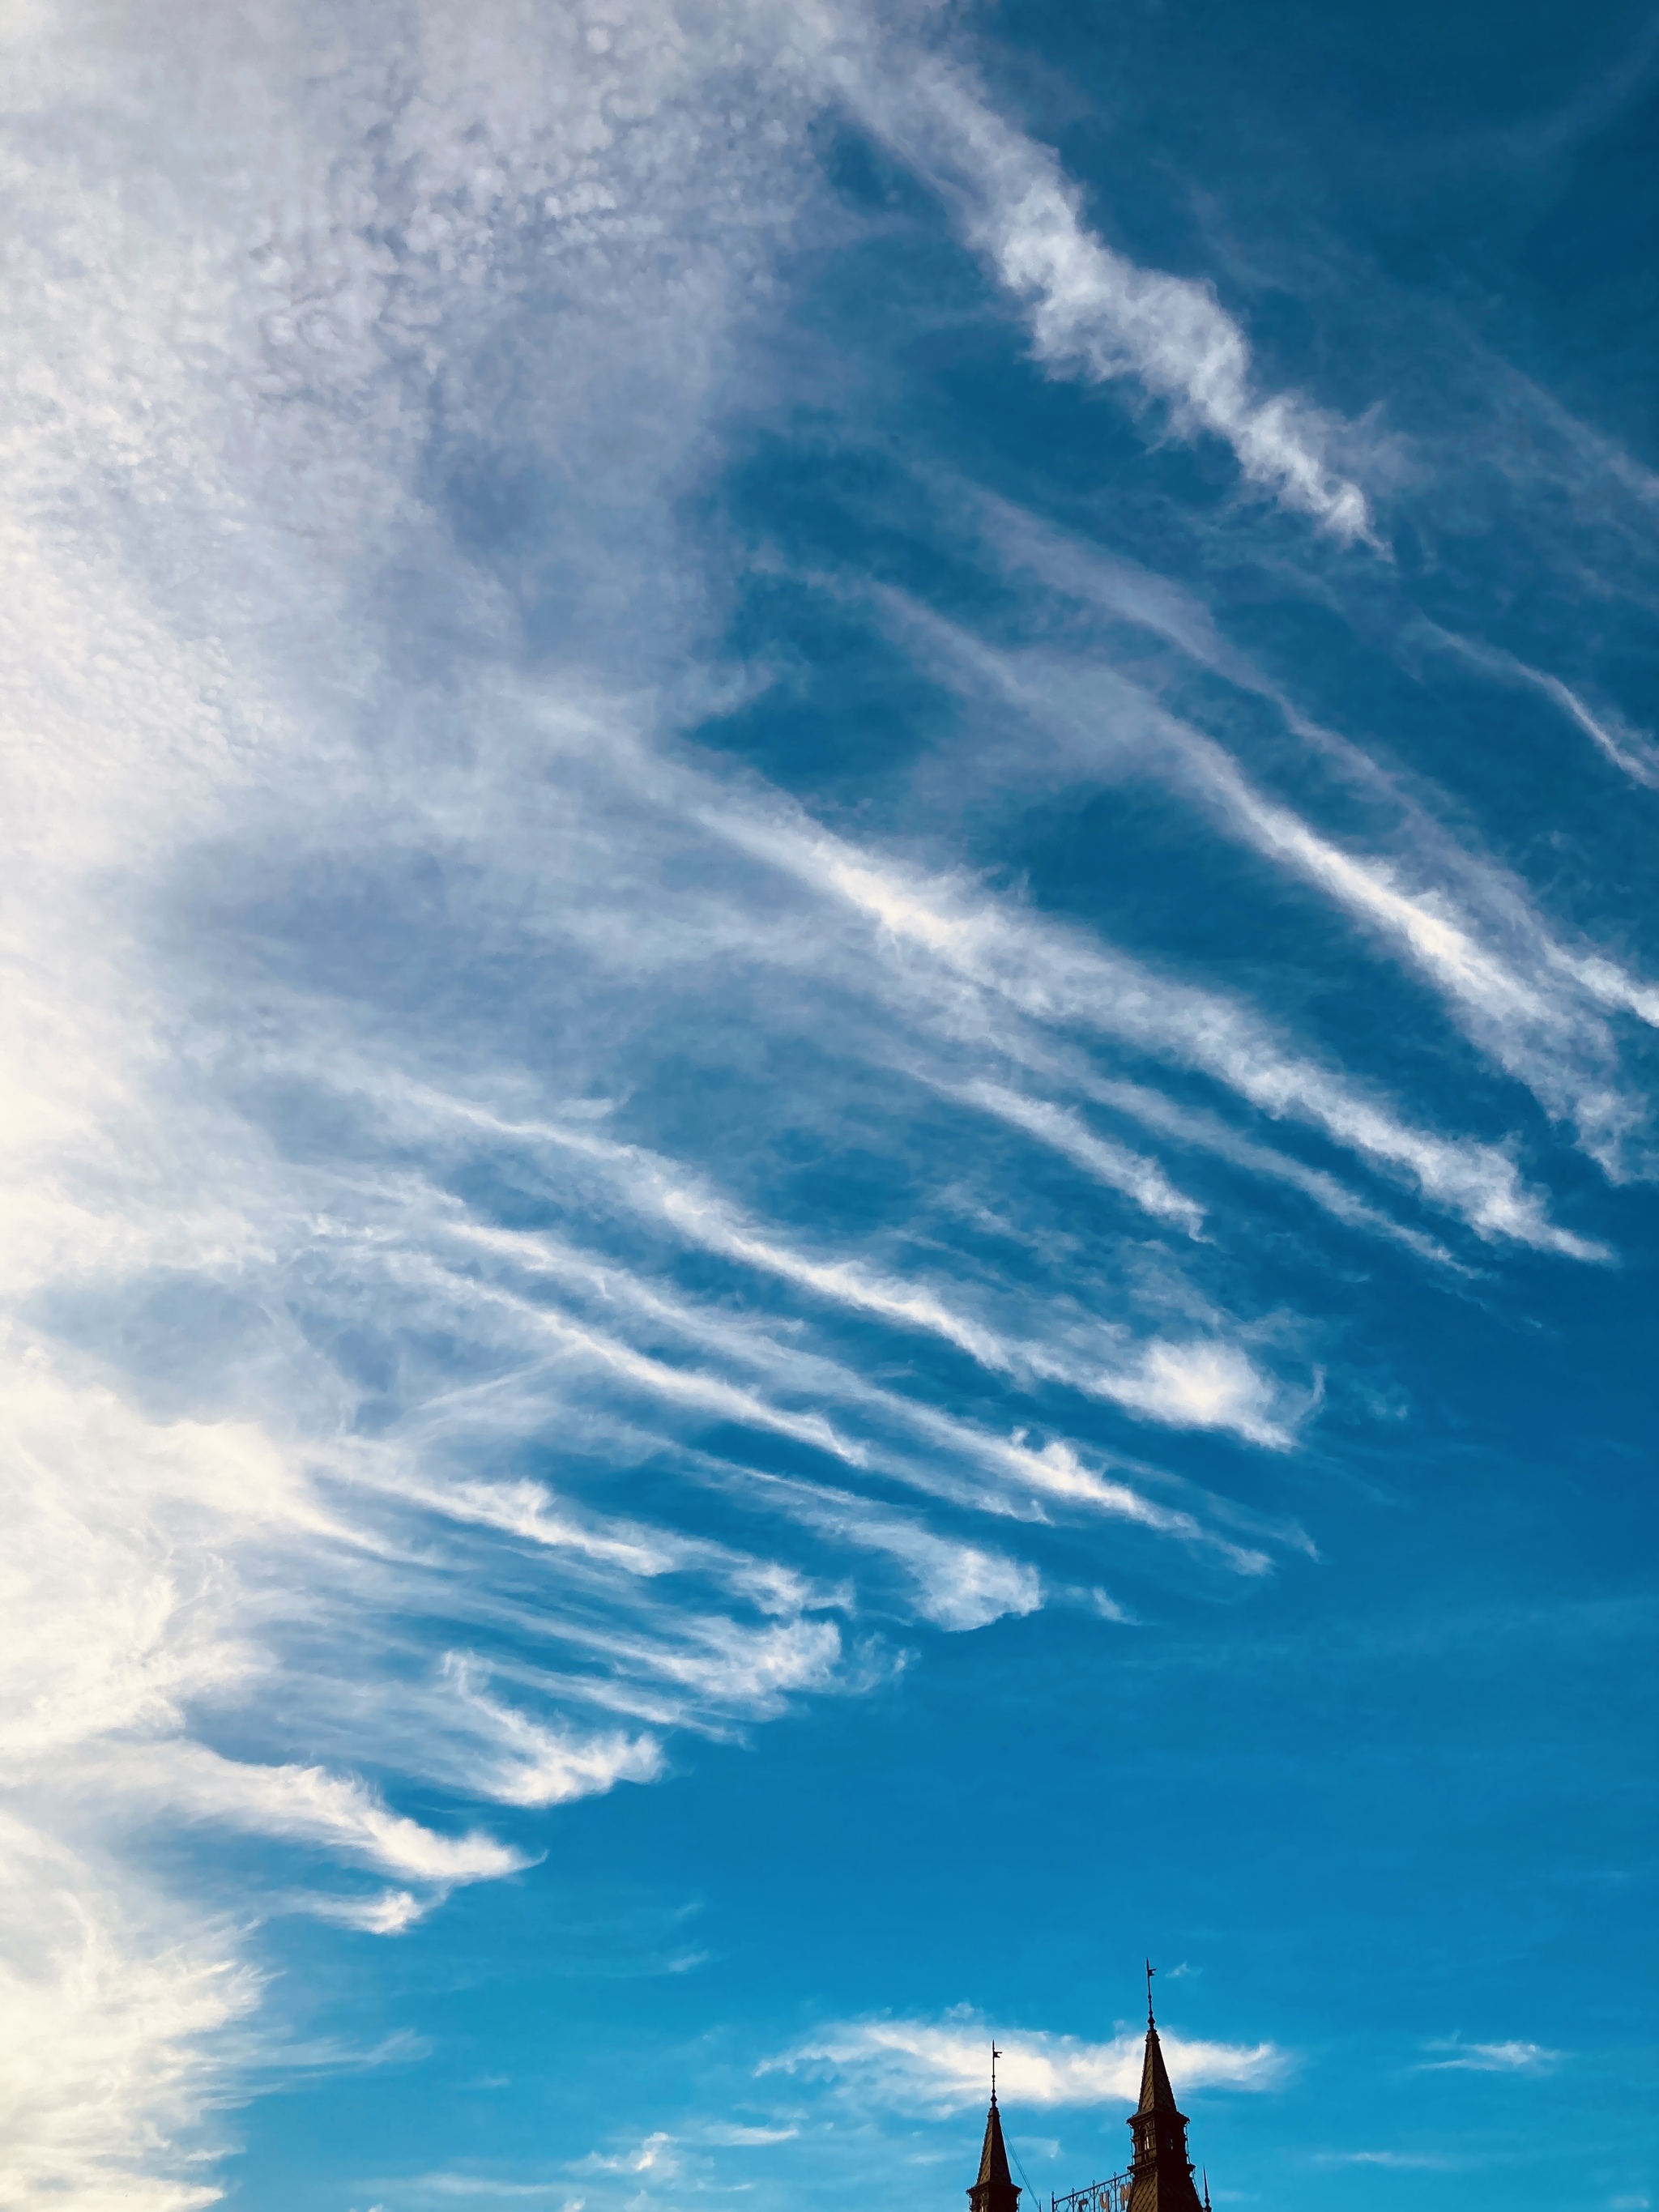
(1159, 2177)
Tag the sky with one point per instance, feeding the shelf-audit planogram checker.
(831, 1015)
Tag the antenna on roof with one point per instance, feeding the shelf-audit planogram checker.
(1151, 1971)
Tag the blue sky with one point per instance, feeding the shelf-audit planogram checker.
(830, 993)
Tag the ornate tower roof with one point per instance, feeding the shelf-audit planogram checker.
(1156, 2094)
(994, 2191)
(1161, 2175)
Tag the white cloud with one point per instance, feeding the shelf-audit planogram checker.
(1056, 977)
(1210, 1386)
(1514, 1008)
(390, 1912)
(1398, 2161)
(308, 1803)
(1513, 2057)
(934, 2067)
(959, 1585)
(1530, 1000)
(730, 1667)
(106, 2015)
(548, 1766)
(1631, 751)
(1214, 1385)
(484, 2188)
(1208, 1132)
(656, 2154)
(1202, 1386)
(1092, 309)
(1114, 1165)
(843, 1281)
(117, 1608)
(711, 1223)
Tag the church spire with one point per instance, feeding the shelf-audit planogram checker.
(994, 2191)
(1156, 2094)
(1161, 2175)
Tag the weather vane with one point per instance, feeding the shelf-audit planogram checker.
(995, 2055)
(1151, 1971)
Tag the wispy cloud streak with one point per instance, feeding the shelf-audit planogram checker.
(1114, 1165)
(1527, 999)
(1115, 1371)
(1631, 751)
(1054, 975)
(1091, 309)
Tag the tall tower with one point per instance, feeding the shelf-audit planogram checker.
(994, 2191)
(1161, 2174)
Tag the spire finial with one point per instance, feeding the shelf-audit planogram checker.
(1207, 2189)
(1151, 1971)
(995, 2055)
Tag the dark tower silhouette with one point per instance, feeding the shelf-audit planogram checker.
(994, 2191)
(1161, 2174)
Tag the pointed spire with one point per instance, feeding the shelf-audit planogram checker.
(1156, 2094)
(1161, 2175)
(994, 2191)
(993, 2158)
